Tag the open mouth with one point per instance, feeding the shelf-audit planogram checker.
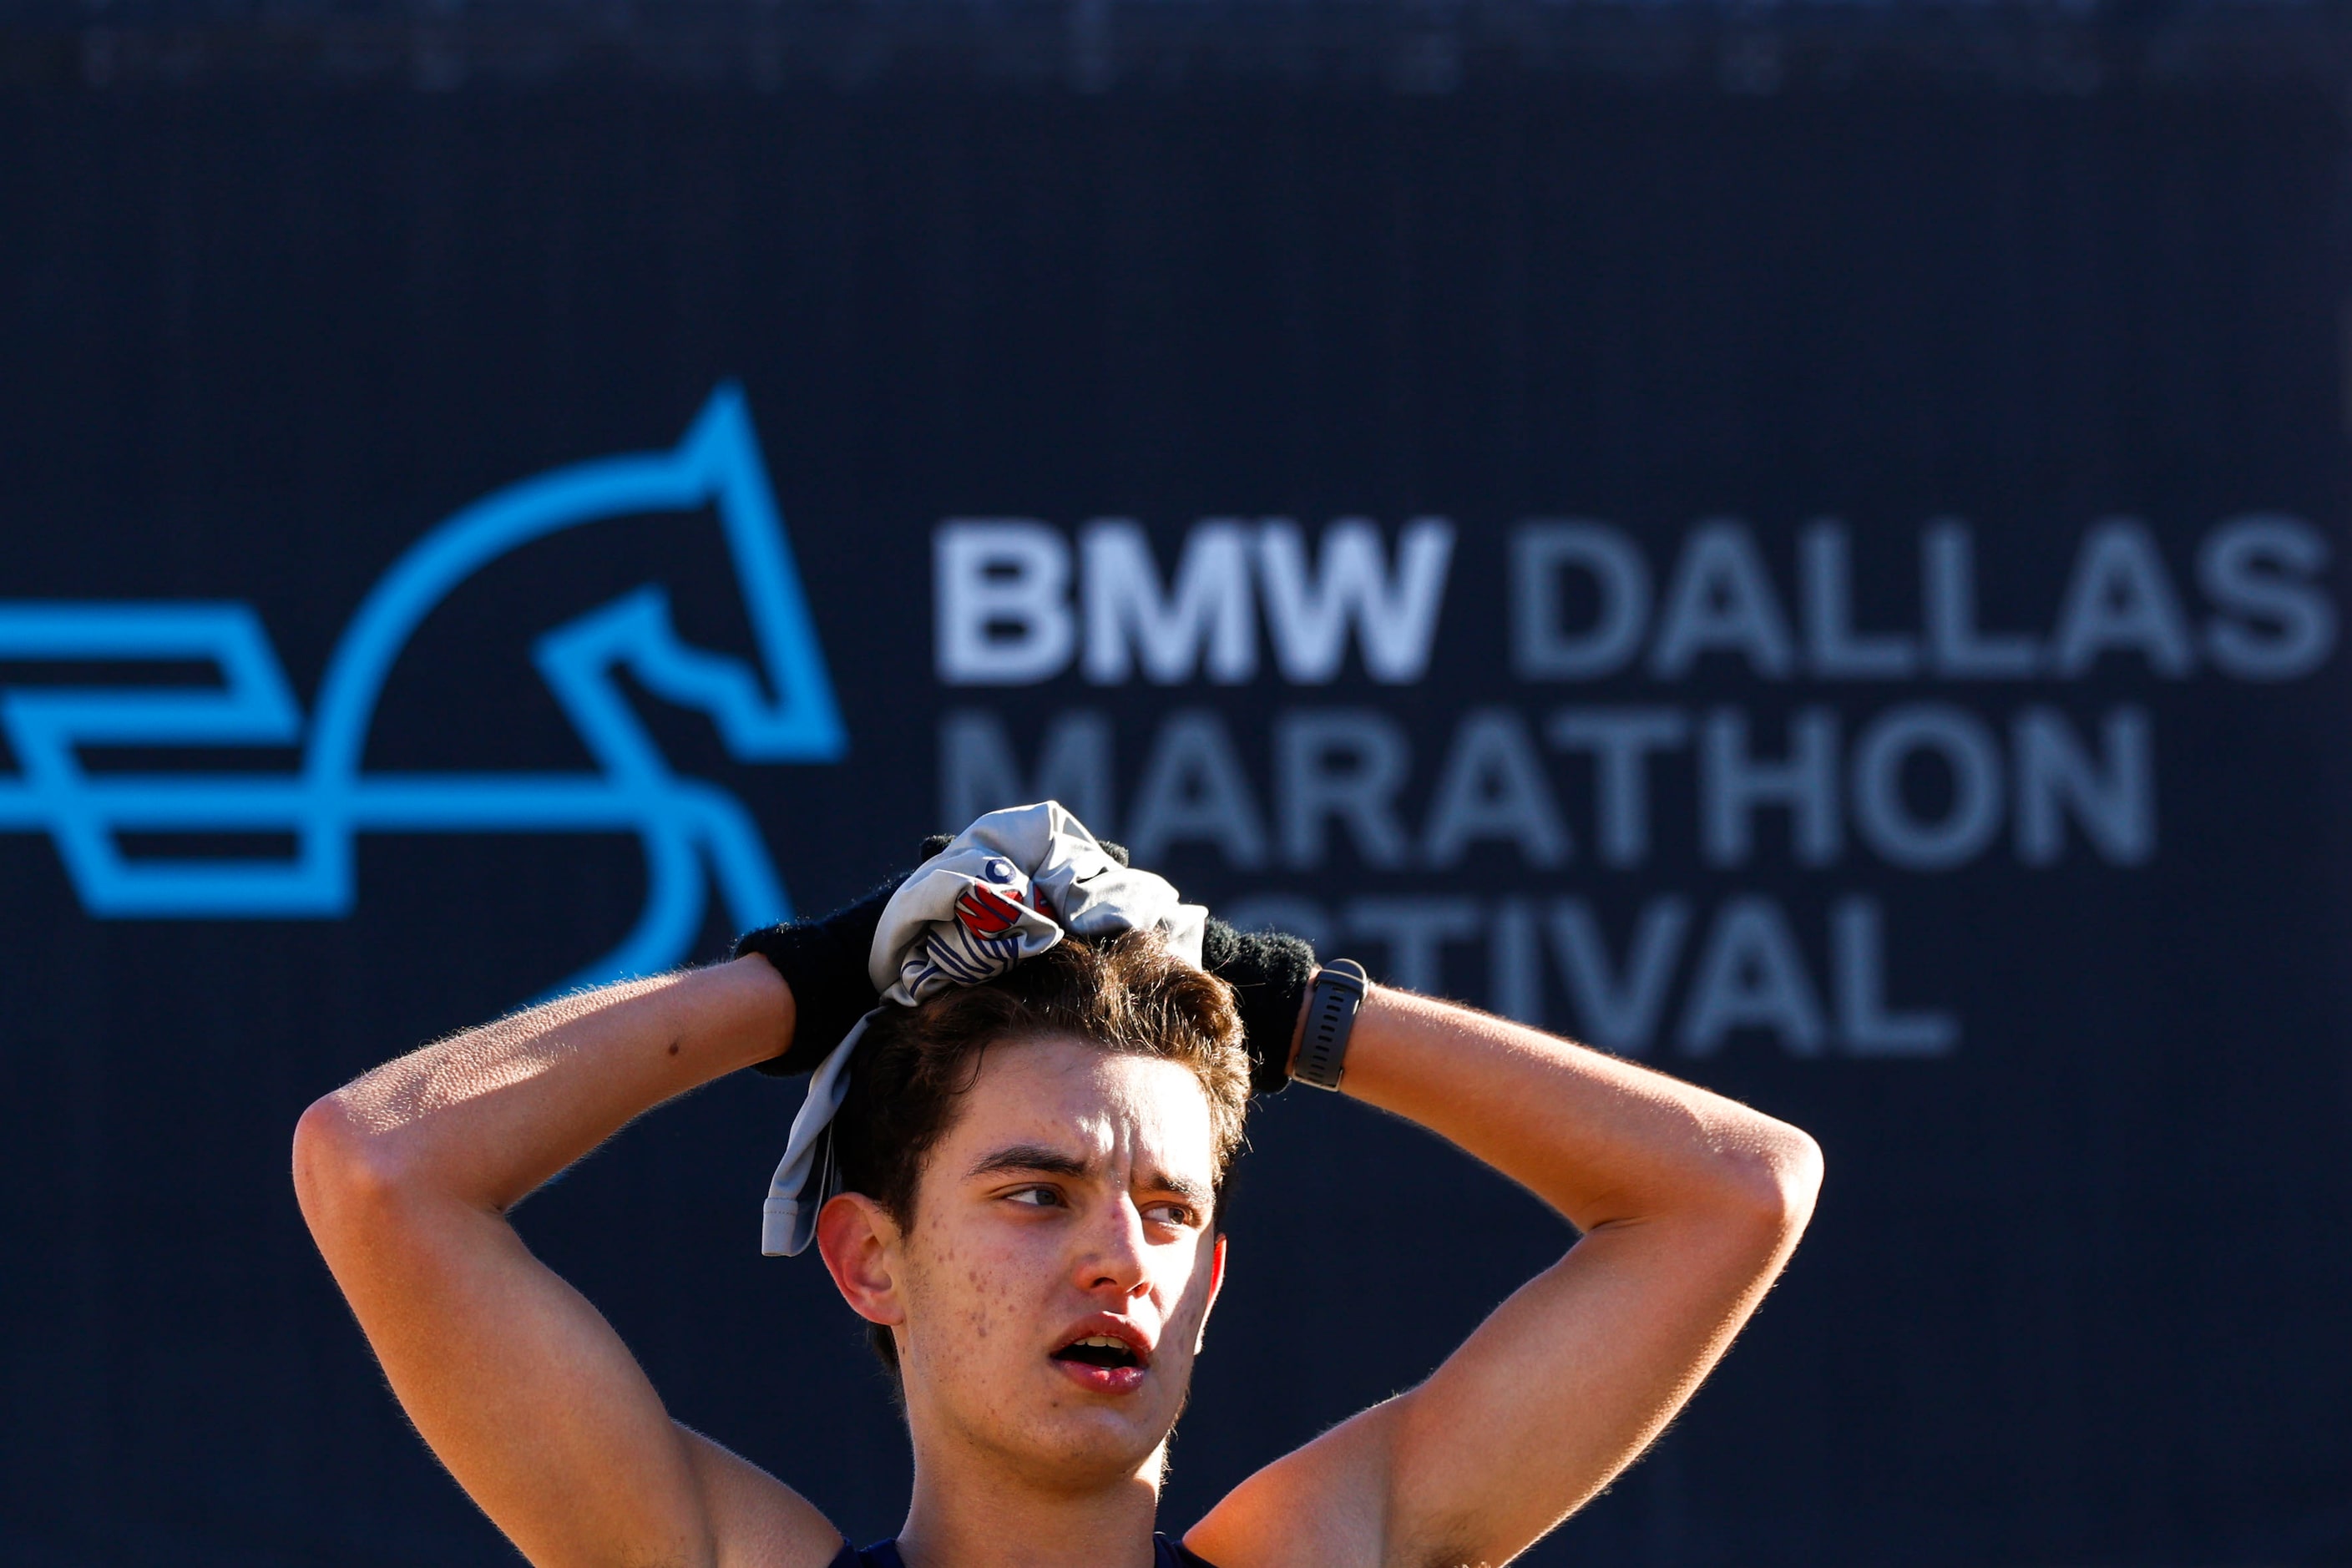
(1108, 1352)
(1109, 1357)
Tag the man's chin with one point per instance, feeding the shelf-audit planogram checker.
(1088, 1445)
(1056, 1435)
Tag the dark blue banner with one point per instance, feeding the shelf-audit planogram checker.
(1838, 594)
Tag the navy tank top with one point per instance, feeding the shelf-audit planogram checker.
(1166, 1553)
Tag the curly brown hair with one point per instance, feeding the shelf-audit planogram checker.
(1126, 993)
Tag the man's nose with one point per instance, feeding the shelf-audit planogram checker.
(1114, 1256)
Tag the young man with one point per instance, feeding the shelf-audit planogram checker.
(1030, 1170)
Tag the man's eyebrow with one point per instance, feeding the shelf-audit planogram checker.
(1184, 1187)
(1018, 1158)
(1038, 1159)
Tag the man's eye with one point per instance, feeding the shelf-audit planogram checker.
(1169, 1213)
(1036, 1197)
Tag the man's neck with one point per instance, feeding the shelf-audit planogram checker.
(971, 1509)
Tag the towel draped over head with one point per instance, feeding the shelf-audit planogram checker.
(1006, 888)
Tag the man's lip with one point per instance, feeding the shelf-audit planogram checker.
(1120, 1329)
(1103, 1379)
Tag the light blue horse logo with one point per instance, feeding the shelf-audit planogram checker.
(694, 835)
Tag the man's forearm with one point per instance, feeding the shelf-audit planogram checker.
(520, 1385)
(1690, 1204)
(1600, 1139)
(489, 1114)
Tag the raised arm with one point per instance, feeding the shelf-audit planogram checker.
(520, 1385)
(1689, 1204)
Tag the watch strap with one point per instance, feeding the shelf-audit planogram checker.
(1332, 1008)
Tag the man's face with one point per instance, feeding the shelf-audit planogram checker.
(1050, 1296)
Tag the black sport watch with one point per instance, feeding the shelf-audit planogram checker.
(1332, 1007)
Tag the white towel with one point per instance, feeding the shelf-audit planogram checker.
(1005, 889)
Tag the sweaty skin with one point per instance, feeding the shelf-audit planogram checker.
(1067, 1200)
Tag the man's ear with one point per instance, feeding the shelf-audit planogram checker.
(859, 1243)
(1216, 1284)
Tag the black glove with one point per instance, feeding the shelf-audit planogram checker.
(825, 964)
(1270, 971)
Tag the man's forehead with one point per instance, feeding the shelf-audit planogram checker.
(1088, 1104)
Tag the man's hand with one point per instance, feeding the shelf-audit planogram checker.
(825, 964)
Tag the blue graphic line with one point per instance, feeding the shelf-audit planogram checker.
(694, 835)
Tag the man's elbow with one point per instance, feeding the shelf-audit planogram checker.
(342, 1169)
(1773, 1180)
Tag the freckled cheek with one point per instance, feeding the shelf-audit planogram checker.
(999, 1299)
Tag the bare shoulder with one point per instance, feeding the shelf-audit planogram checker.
(756, 1520)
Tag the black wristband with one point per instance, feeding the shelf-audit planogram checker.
(1331, 1011)
(824, 963)
(1268, 972)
